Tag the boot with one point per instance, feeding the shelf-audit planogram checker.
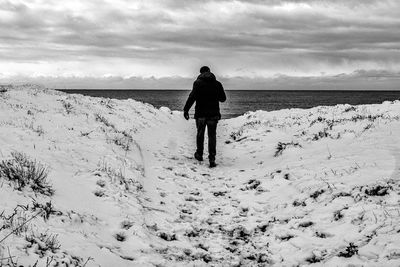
(198, 156)
(212, 164)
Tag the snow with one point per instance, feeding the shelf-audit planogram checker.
(129, 193)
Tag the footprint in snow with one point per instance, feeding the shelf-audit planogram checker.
(194, 199)
(120, 236)
(235, 203)
(184, 175)
(186, 211)
(167, 236)
(194, 169)
(306, 224)
(216, 211)
(321, 234)
(219, 193)
(251, 184)
(195, 192)
(285, 237)
(243, 212)
(101, 183)
(99, 193)
(126, 224)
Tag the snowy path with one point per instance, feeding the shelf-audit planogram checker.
(209, 216)
(200, 211)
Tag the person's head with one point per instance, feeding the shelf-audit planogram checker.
(204, 69)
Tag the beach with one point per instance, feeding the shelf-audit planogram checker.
(293, 187)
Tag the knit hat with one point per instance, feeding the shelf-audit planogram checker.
(204, 69)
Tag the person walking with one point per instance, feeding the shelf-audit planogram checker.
(207, 92)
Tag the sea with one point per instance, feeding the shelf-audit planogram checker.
(241, 101)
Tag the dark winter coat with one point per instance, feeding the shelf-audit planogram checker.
(207, 93)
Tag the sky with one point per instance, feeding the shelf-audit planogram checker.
(255, 44)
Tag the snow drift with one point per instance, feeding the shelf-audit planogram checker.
(100, 182)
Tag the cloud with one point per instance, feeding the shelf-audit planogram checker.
(357, 80)
(171, 37)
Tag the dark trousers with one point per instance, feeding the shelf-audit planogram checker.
(211, 124)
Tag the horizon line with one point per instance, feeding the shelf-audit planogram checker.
(179, 89)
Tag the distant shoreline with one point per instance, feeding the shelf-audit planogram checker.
(242, 101)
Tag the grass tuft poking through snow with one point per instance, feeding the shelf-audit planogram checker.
(24, 172)
(43, 243)
(15, 221)
(102, 119)
(45, 209)
(36, 129)
(280, 147)
(349, 251)
(67, 106)
(124, 140)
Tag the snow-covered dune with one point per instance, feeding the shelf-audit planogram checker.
(292, 187)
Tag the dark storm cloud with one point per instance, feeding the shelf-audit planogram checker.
(253, 37)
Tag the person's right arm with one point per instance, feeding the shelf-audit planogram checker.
(191, 99)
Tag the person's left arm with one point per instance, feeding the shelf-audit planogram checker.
(221, 93)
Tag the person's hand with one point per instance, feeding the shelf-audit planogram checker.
(186, 115)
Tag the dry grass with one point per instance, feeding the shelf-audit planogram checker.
(23, 172)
